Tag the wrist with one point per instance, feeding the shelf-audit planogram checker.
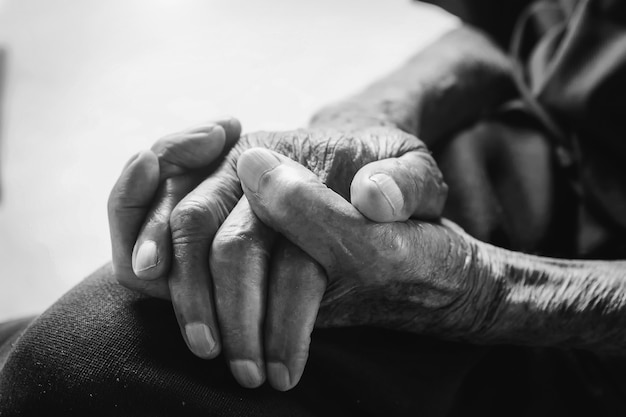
(482, 299)
(450, 295)
(553, 302)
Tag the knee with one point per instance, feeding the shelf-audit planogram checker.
(96, 351)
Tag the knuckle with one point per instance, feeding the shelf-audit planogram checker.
(230, 244)
(225, 245)
(190, 220)
(188, 212)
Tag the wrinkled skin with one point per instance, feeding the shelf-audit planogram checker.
(411, 275)
(377, 263)
(259, 308)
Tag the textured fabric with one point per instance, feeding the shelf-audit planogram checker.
(104, 351)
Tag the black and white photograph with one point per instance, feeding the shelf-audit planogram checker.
(313, 208)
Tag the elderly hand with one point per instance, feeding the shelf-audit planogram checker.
(259, 305)
(412, 276)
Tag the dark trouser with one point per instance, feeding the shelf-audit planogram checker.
(103, 350)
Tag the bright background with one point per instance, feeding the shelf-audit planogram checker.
(91, 82)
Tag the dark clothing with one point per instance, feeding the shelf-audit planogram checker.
(496, 17)
(570, 58)
(103, 350)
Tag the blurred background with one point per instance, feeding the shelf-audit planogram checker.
(87, 83)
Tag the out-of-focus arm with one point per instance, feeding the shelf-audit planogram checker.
(451, 83)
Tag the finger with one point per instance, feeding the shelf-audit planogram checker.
(293, 201)
(194, 222)
(152, 252)
(240, 289)
(128, 204)
(196, 147)
(296, 287)
(396, 189)
(178, 154)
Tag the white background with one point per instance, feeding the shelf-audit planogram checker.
(91, 82)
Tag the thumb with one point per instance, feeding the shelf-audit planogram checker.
(293, 201)
(396, 189)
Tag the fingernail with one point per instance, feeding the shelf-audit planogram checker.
(247, 373)
(147, 256)
(252, 165)
(390, 191)
(200, 339)
(278, 375)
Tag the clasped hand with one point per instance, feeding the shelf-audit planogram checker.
(345, 252)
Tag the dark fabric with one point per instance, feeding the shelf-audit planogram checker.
(574, 78)
(505, 188)
(10, 331)
(496, 17)
(571, 61)
(102, 350)
(524, 382)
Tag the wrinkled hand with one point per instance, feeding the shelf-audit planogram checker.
(412, 276)
(258, 295)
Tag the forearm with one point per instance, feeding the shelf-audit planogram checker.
(552, 302)
(449, 84)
